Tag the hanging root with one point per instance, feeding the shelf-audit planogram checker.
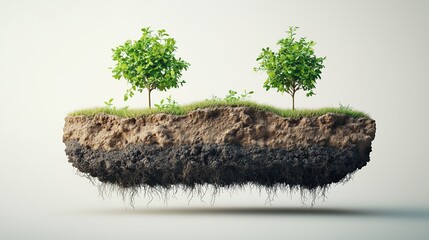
(207, 193)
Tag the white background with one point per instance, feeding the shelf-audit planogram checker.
(54, 58)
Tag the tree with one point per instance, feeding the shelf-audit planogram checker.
(293, 67)
(149, 63)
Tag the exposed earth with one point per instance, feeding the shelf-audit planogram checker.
(222, 146)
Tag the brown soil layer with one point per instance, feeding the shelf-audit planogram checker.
(222, 146)
(220, 125)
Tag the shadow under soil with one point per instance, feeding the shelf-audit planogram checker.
(400, 213)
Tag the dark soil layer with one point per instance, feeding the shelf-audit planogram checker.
(220, 165)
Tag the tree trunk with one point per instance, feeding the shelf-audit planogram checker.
(293, 101)
(149, 91)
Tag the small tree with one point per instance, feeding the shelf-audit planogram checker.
(149, 63)
(293, 67)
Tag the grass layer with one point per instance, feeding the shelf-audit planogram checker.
(184, 109)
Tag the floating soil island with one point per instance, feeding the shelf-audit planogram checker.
(221, 146)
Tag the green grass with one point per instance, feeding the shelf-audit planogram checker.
(182, 110)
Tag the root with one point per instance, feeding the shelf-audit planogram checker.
(309, 197)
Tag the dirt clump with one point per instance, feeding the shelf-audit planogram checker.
(220, 146)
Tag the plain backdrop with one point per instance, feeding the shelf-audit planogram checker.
(55, 58)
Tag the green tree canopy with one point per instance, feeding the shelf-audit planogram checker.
(294, 67)
(149, 63)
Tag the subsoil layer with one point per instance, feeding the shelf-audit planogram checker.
(219, 165)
